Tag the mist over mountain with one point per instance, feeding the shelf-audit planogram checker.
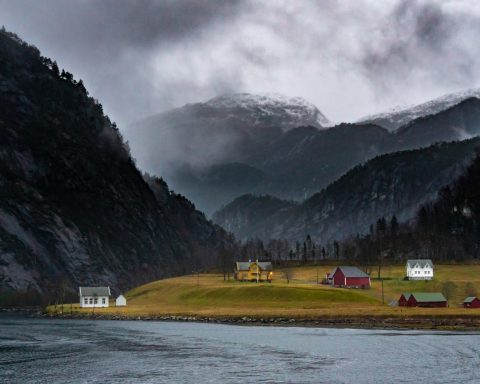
(222, 130)
(216, 151)
(392, 184)
(74, 209)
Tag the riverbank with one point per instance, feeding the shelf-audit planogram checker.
(471, 323)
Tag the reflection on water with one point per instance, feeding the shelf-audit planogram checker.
(76, 351)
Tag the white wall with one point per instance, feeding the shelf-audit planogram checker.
(121, 301)
(102, 302)
(418, 273)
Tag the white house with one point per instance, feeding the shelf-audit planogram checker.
(94, 297)
(419, 269)
(121, 301)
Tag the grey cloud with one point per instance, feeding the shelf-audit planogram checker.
(350, 58)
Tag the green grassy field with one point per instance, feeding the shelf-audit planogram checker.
(210, 295)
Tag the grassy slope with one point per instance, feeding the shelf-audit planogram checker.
(301, 298)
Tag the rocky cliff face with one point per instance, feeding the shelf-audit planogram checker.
(74, 209)
(394, 184)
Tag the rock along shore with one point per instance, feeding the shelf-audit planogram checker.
(433, 323)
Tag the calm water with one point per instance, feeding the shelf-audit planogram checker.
(68, 351)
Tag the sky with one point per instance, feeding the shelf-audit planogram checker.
(349, 58)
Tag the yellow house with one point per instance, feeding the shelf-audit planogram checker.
(247, 271)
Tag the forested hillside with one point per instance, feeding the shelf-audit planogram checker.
(74, 209)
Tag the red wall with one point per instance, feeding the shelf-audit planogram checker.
(413, 303)
(338, 277)
(358, 281)
(474, 304)
(402, 302)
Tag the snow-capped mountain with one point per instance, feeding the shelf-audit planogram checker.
(399, 116)
(290, 112)
(227, 128)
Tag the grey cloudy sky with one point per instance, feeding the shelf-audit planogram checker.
(350, 58)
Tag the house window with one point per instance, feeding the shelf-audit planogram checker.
(96, 300)
(91, 300)
(103, 300)
(85, 300)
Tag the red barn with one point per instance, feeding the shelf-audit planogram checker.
(350, 277)
(471, 302)
(422, 299)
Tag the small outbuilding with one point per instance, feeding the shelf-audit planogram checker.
(349, 277)
(121, 301)
(94, 297)
(249, 270)
(471, 302)
(422, 299)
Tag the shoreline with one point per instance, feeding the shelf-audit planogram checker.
(439, 323)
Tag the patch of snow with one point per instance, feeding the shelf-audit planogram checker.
(272, 104)
(401, 115)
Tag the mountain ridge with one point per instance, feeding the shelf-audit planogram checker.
(391, 184)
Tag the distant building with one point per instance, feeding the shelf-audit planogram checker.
(422, 299)
(471, 302)
(121, 301)
(248, 271)
(97, 297)
(419, 269)
(349, 277)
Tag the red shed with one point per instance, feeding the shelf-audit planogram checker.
(350, 277)
(422, 299)
(471, 302)
(403, 301)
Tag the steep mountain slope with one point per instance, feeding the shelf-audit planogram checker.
(244, 214)
(392, 184)
(399, 116)
(74, 209)
(305, 160)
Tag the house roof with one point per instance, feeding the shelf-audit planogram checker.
(406, 295)
(426, 297)
(94, 291)
(469, 299)
(265, 265)
(350, 272)
(245, 265)
(421, 262)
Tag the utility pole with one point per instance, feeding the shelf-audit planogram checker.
(383, 297)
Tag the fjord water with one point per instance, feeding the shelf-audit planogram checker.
(81, 351)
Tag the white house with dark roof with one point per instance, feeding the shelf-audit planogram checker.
(91, 297)
(419, 269)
